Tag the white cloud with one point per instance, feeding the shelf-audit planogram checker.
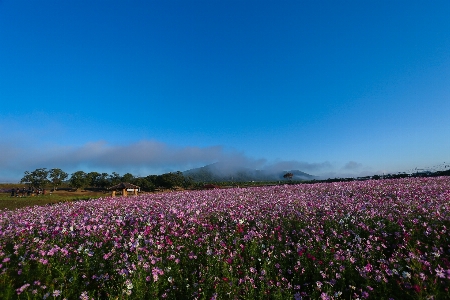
(140, 158)
(352, 165)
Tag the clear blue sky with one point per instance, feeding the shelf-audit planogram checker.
(329, 87)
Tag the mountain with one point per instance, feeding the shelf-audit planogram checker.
(222, 172)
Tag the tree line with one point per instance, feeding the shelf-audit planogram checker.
(54, 178)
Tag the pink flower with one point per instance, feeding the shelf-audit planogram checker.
(440, 272)
(324, 296)
(84, 296)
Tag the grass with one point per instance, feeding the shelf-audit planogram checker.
(11, 203)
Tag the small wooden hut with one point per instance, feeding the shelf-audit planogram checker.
(210, 186)
(125, 187)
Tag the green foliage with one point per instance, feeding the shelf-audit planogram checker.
(57, 176)
(145, 184)
(92, 178)
(171, 180)
(188, 182)
(114, 178)
(37, 178)
(102, 181)
(128, 177)
(79, 179)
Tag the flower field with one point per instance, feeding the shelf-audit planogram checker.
(385, 239)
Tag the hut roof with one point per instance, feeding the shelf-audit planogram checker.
(124, 185)
(211, 186)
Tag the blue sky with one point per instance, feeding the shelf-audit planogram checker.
(333, 88)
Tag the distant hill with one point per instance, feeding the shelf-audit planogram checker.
(219, 172)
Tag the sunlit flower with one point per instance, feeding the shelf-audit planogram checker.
(271, 237)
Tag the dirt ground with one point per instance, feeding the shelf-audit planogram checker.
(78, 193)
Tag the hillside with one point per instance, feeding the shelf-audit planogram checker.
(220, 172)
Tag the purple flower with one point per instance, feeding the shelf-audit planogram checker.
(325, 296)
(84, 296)
(440, 272)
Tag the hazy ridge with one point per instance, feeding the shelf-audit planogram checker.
(222, 172)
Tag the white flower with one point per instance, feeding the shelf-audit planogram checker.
(129, 284)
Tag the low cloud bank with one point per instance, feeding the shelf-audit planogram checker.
(141, 158)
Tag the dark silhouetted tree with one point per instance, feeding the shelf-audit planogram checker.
(128, 177)
(37, 178)
(145, 184)
(103, 181)
(78, 179)
(93, 179)
(57, 176)
(114, 178)
(288, 176)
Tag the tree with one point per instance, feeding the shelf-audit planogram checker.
(93, 178)
(27, 178)
(153, 179)
(188, 182)
(171, 180)
(57, 176)
(128, 177)
(145, 184)
(37, 178)
(103, 181)
(78, 179)
(288, 175)
(114, 178)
